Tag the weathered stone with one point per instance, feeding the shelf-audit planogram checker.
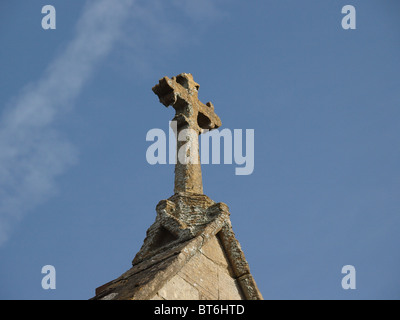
(212, 250)
(190, 251)
(180, 218)
(110, 296)
(234, 251)
(157, 297)
(228, 288)
(178, 289)
(215, 268)
(192, 118)
(203, 275)
(249, 287)
(143, 280)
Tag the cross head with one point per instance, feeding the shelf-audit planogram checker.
(192, 118)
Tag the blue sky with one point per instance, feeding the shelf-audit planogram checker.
(76, 191)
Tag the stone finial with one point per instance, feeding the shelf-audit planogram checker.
(192, 118)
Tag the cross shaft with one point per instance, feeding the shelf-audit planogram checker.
(192, 118)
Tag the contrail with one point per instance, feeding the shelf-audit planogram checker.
(32, 152)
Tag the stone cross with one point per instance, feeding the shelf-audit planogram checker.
(192, 118)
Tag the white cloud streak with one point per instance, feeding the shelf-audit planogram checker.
(32, 152)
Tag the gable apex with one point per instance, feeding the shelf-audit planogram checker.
(201, 253)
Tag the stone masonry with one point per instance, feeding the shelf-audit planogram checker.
(190, 252)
